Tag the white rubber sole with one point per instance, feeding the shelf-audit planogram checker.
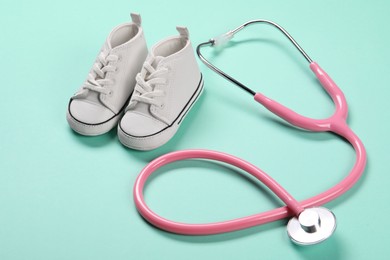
(158, 139)
(92, 129)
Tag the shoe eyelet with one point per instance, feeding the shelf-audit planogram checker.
(110, 93)
(162, 106)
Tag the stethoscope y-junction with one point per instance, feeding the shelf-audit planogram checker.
(310, 223)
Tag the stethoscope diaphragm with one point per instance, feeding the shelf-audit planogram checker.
(312, 226)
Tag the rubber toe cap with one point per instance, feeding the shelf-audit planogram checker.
(140, 125)
(87, 112)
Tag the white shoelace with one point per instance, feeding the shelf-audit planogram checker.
(144, 90)
(97, 80)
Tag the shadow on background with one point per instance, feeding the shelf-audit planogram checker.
(222, 168)
(95, 141)
(283, 47)
(323, 136)
(232, 172)
(224, 236)
(328, 249)
(111, 136)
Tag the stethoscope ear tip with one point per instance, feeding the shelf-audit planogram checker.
(222, 39)
(312, 226)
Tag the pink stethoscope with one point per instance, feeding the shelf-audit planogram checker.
(310, 224)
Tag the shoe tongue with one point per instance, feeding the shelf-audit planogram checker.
(107, 46)
(142, 107)
(94, 96)
(156, 61)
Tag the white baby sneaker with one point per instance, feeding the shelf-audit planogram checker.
(167, 87)
(96, 108)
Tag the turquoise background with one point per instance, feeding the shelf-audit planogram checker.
(65, 196)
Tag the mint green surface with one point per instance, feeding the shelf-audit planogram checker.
(65, 196)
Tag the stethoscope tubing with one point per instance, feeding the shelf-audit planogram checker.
(336, 123)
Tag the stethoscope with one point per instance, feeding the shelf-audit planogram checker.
(310, 224)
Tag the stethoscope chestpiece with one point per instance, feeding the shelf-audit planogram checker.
(312, 226)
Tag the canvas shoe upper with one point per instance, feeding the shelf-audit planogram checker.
(167, 86)
(96, 107)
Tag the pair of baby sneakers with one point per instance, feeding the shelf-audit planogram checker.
(146, 94)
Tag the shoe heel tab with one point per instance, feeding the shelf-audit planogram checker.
(184, 33)
(136, 18)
